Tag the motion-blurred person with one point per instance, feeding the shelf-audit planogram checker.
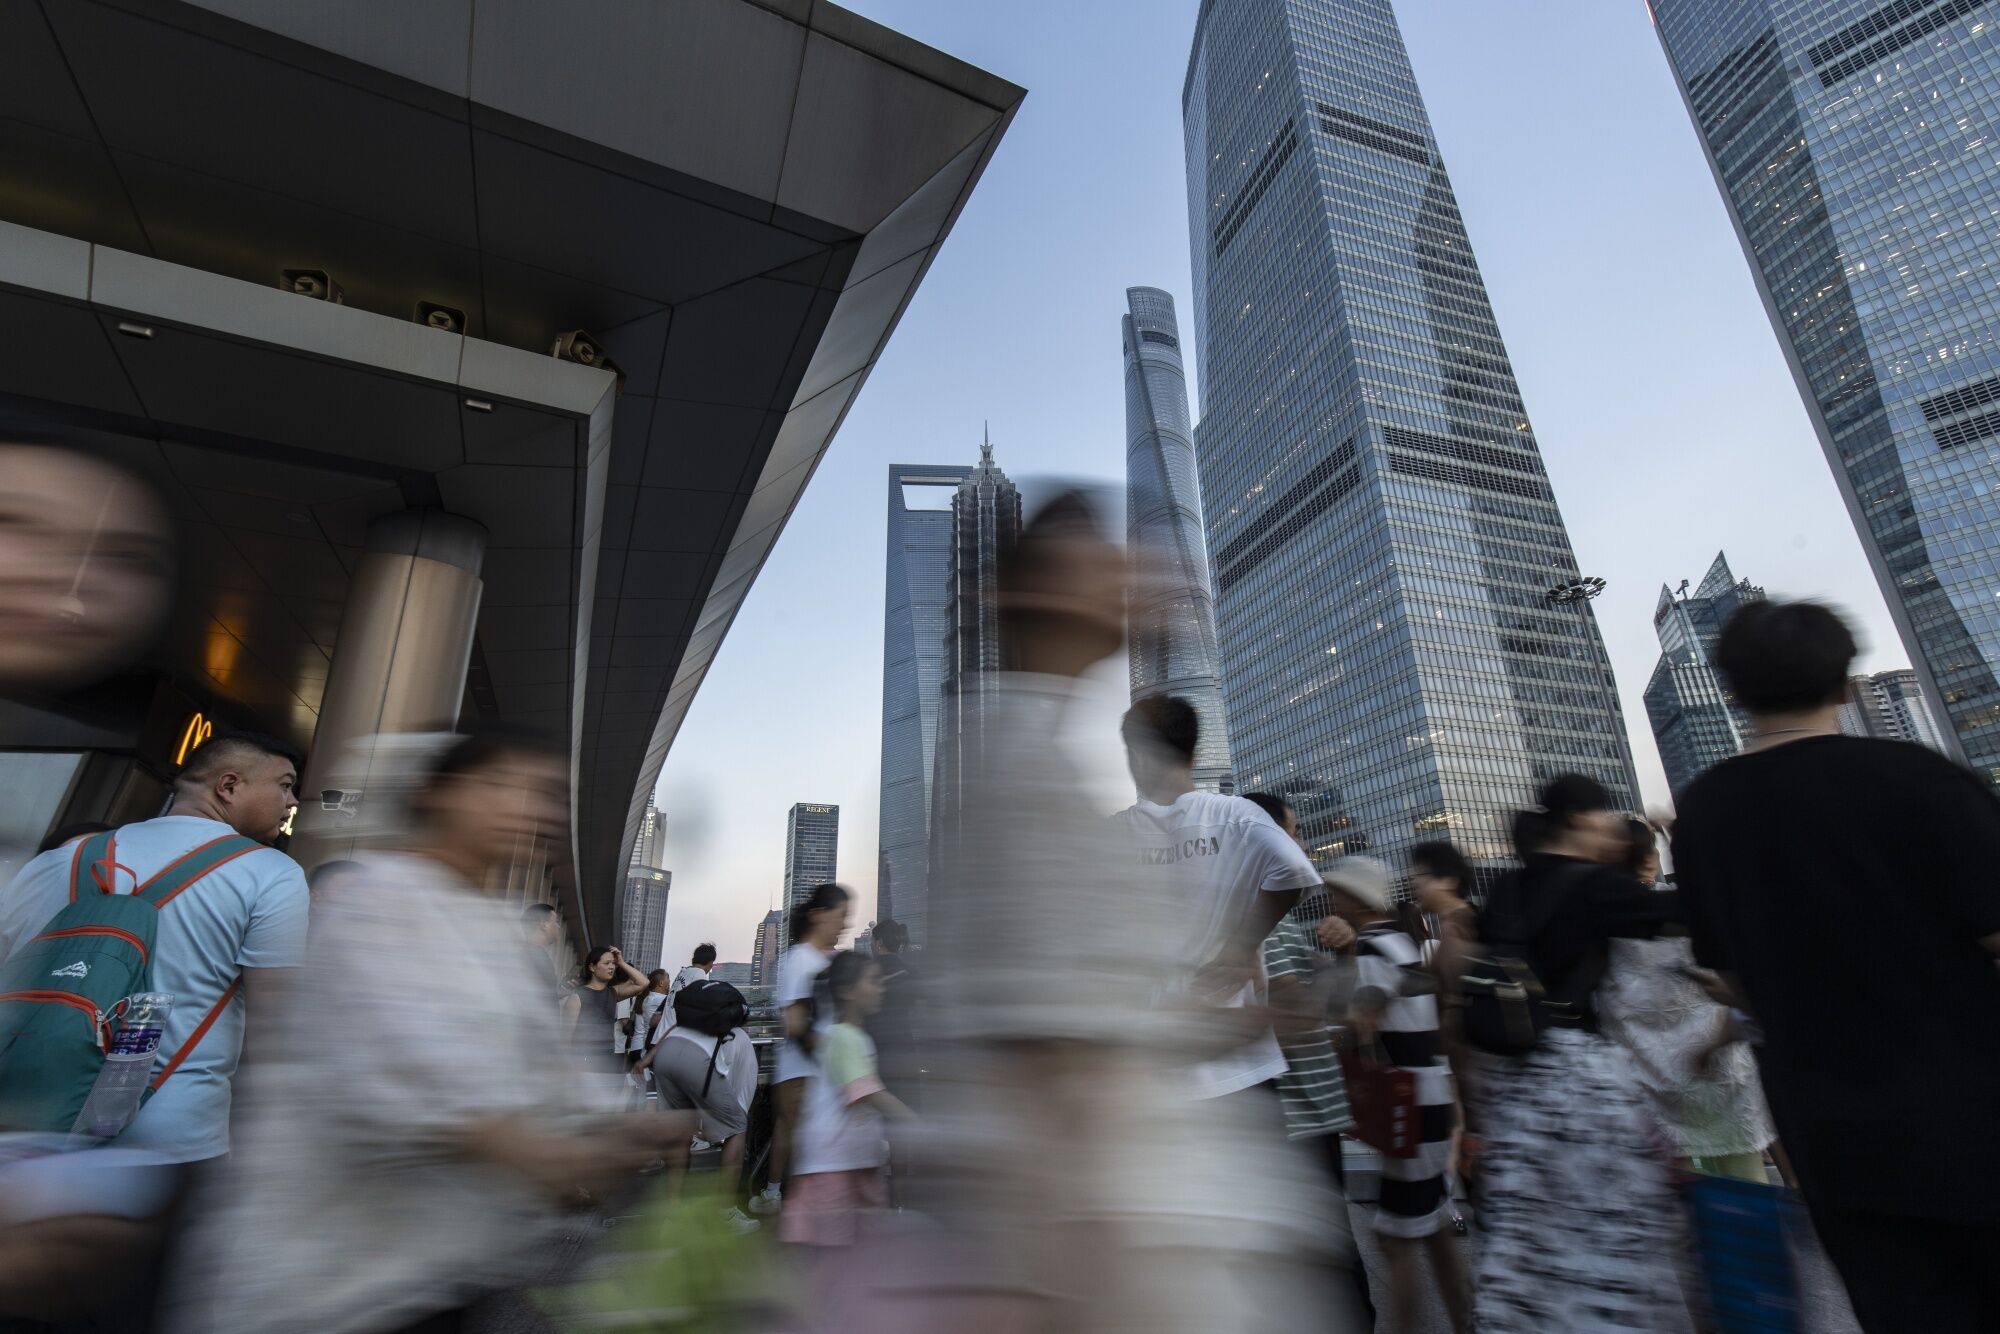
(816, 926)
(1692, 1059)
(1441, 882)
(86, 568)
(837, 1163)
(591, 1010)
(223, 944)
(381, 1183)
(1312, 1091)
(1394, 1006)
(1580, 1226)
(541, 928)
(330, 878)
(1068, 1181)
(649, 1018)
(1847, 887)
(895, 1025)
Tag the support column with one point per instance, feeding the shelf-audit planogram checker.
(399, 665)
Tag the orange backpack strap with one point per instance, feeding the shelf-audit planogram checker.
(94, 864)
(194, 1038)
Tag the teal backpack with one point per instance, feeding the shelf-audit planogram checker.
(62, 992)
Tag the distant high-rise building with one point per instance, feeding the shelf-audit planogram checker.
(985, 522)
(812, 849)
(768, 947)
(648, 847)
(1852, 142)
(1890, 705)
(1173, 649)
(1693, 719)
(642, 921)
(1406, 642)
(735, 974)
(916, 619)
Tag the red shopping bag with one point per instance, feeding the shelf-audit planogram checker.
(1383, 1098)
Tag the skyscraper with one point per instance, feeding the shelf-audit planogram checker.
(642, 918)
(916, 617)
(812, 847)
(767, 948)
(1693, 719)
(649, 845)
(1890, 705)
(1851, 140)
(985, 521)
(1383, 534)
(1173, 650)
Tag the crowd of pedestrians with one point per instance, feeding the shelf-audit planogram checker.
(1126, 1084)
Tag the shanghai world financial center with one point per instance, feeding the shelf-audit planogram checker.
(1381, 532)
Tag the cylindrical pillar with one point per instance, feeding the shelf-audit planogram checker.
(399, 665)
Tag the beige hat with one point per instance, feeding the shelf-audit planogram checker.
(1364, 878)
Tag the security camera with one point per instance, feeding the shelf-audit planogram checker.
(313, 283)
(338, 801)
(446, 319)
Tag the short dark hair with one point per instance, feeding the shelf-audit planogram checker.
(534, 913)
(1444, 861)
(1033, 558)
(1271, 804)
(704, 954)
(891, 936)
(1561, 800)
(1641, 843)
(1779, 657)
(1169, 719)
(213, 757)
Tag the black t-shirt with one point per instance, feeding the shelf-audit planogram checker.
(1564, 913)
(1847, 884)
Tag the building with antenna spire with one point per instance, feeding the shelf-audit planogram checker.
(1173, 649)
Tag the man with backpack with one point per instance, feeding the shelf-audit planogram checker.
(192, 904)
(705, 1062)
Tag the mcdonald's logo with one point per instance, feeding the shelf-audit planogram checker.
(198, 730)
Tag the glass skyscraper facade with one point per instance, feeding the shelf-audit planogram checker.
(812, 847)
(1853, 143)
(1173, 649)
(916, 618)
(1694, 721)
(642, 927)
(1381, 528)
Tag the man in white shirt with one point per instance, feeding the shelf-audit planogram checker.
(698, 968)
(1230, 872)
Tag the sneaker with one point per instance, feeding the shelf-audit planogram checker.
(701, 1145)
(768, 1201)
(740, 1223)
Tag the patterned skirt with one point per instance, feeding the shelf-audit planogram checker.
(1581, 1230)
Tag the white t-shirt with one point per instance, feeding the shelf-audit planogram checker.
(247, 913)
(1215, 854)
(798, 971)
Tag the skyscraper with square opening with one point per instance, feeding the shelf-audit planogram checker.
(1381, 529)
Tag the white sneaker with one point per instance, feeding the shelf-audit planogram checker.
(740, 1223)
(768, 1201)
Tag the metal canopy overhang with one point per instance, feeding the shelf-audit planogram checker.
(738, 196)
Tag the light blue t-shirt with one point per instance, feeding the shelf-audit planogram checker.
(247, 913)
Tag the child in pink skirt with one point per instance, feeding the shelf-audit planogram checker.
(839, 1157)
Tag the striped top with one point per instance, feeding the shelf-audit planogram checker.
(1312, 1090)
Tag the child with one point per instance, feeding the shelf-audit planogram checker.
(837, 1163)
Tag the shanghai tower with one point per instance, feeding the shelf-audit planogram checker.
(1172, 610)
(1405, 655)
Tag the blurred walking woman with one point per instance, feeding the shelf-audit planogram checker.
(816, 927)
(1580, 1225)
(380, 1183)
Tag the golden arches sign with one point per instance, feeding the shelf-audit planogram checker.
(198, 730)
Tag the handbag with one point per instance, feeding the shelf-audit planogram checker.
(1746, 1259)
(1383, 1098)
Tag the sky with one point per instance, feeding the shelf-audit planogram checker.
(1669, 423)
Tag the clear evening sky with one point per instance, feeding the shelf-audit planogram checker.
(1669, 422)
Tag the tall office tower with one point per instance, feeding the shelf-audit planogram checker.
(1694, 721)
(1891, 705)
(768, 947)
(812, 846)
(1852, 142)
(650, 844)
(985, 522)
(1405, 639)
(1173, 650)
(642, 919)
(916, 617)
